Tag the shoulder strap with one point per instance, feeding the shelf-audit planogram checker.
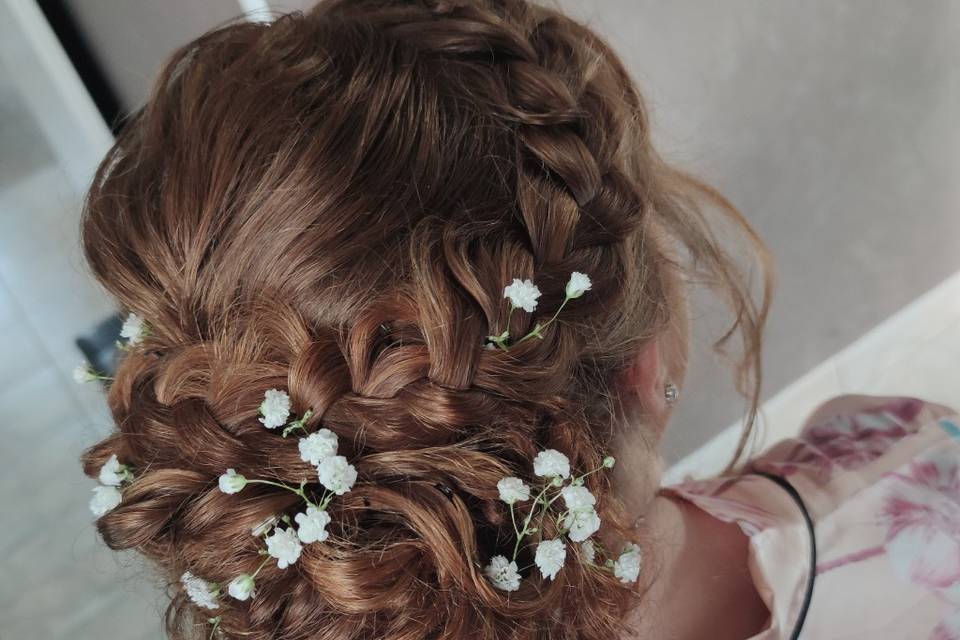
(790, 489)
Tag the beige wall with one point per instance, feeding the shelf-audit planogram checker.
(131, 39)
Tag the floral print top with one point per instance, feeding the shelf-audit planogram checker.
(854, 525)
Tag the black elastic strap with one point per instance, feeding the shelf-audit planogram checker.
(789, 488)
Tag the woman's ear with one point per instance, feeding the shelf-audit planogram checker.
(644, 379)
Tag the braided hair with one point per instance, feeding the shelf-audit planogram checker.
(332, 203)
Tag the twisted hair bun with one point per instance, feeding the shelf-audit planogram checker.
(332, 204)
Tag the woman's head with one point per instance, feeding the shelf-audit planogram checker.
(332, 204)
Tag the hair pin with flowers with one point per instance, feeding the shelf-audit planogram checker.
(576, 523)
(523, 294)
(285, 544)
(282, 543)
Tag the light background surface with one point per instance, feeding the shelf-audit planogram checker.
(832, 125)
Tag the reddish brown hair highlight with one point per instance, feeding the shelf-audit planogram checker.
(332, 203)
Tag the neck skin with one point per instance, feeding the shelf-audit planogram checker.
(696, 583)
(703, 588)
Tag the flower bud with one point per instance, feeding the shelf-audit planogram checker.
(232, 482)
(241, 587)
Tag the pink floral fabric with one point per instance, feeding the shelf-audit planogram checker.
(880, 480)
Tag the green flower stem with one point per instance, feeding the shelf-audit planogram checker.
(538, 328)
(298, 424)
(216, 625)
(300, 492)
(262, 565)
(513, 519)
(526, 522)
(579, 479)
(325, 499)
(506, 327)
(502, 338)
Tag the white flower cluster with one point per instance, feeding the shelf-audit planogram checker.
(524, 294)
(576, 523)
(134, 329)
(334, 472)
(113, 476)
(201, 593)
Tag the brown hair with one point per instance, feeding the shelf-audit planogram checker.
(332, 203)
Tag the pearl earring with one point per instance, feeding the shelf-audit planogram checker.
(671, 392)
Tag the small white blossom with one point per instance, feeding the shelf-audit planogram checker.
(83, 373)
(522, 294)
(113, 474)
(133, 329)
(232, 482)
(242, 587)
(628, 565)
(275, 408)
(104, 499)
(312, 525)
(336, 474)
(582, 524)
(503, 574)
(550, 556)
(589, 551)
(317, 446)
(551, 463)
(513, 490)
(283, 545)
(264, 526)
(202, 593)
(578, 498)
(578, 283)
(609, 461)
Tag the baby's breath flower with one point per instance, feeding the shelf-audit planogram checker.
(589, 551)
(503, 574)
(582, 524)
(313, 525)
(513, 490)
(232, 482)
(627, 566)
(336, 474)
(84, 373)
(113, 474)
(202, 593)
(550, 556)
(522, 294)
(578, 498)
(551, 463)
(104, 499)
(242, 587)
(578, 283)
(317, 446)
(275, 408)
(133, 329)
(283, 545)
(609, 461)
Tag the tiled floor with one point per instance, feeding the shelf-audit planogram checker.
(61, 581)
(838, 139)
